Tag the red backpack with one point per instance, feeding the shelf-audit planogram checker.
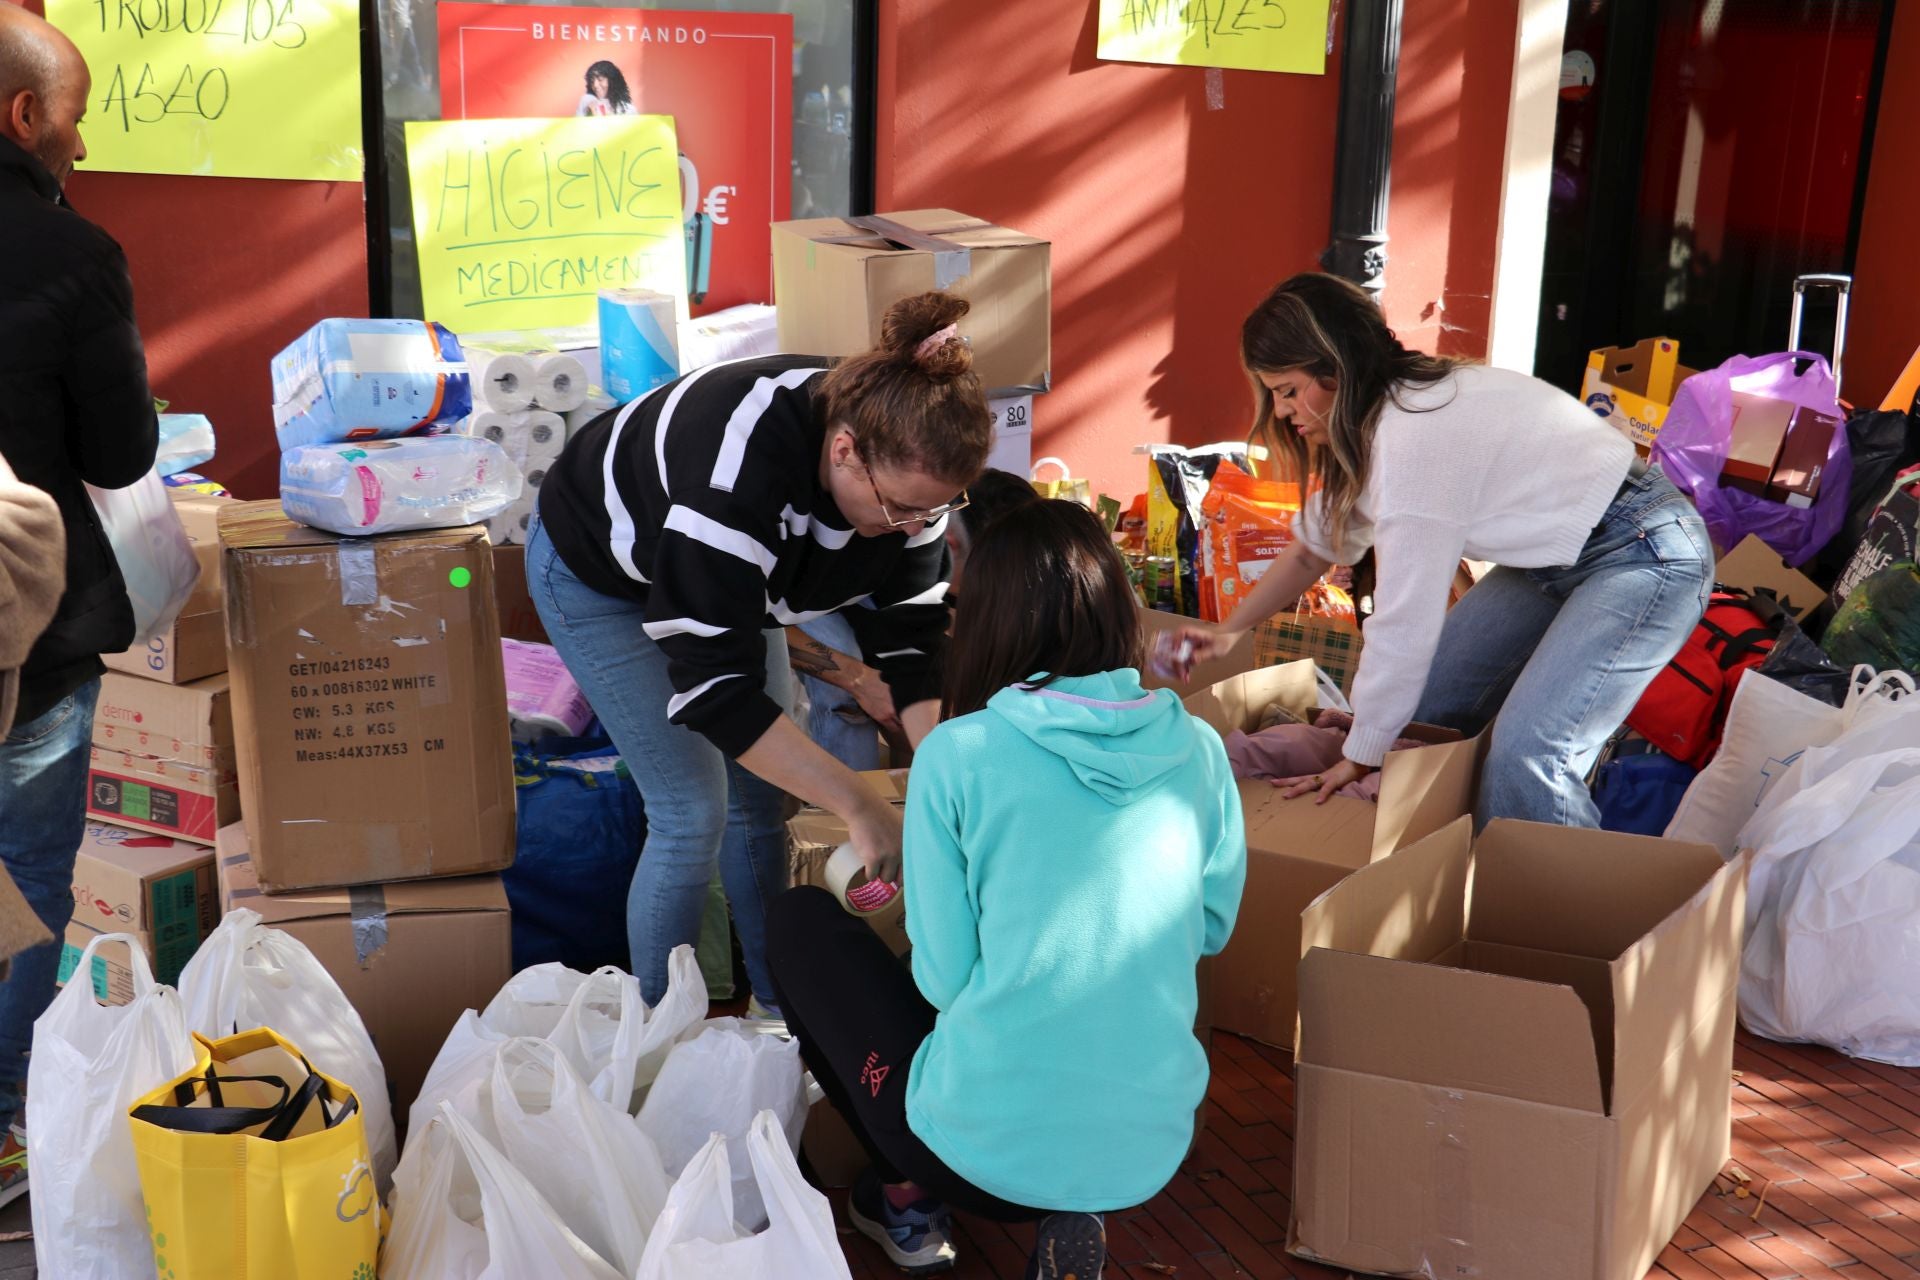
(1684, 711)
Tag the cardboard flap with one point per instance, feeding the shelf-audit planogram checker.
(1237, 701)
(1654, 1015)
(1423, 790)
(1754, 566)
(1451, 1028)
(1411, 906)
(1583, 893)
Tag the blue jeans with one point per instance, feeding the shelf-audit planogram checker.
(834, 718)
(43, 798)
(701, 807)
(1556, 658)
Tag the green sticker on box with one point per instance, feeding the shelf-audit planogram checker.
(70, 960)
(136, 801)
(173, 906)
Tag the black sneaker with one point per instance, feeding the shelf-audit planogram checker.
(1069, 1246)
(917, 1239)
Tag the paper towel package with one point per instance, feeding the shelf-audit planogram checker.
(512, 376)
(638, 341)
(737, 333)
(368, 380)
(383, 486)
(542, 698)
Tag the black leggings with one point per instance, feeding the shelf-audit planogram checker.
(859, 1018)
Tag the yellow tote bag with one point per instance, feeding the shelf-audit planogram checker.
(254, 1167)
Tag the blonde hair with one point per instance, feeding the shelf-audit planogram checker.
(1333, 331)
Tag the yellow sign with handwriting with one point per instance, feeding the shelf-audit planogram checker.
(521, 223)
(220, 88)
(1243, 35)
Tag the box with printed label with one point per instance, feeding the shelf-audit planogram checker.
(834, 278)
(1297, 849)
(1514, 1053)
(163, 756)
(112, 970)
(1632, 387)
(410, 958)
(370, 702)
(149, 884)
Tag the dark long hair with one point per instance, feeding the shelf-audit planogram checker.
(1046, 592)
(617, 93)
(1333, 331)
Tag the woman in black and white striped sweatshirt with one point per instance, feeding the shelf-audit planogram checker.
(679, 534)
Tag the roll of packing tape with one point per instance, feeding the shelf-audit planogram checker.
(847, 878)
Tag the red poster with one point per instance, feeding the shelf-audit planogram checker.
(725, 78)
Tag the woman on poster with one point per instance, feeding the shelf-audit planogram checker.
(607, 93)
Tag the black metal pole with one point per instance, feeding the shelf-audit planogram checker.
(1363, 158)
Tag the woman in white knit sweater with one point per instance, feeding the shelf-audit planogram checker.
(1604, 567)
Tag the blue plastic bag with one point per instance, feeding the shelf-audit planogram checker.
(581, 826)
(1692, 448)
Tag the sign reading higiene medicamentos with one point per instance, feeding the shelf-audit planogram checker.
(220, 88)
(725, 78)
(521, 223)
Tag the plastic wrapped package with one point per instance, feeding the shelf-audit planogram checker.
(186, 441)
(368, 380)
(383, 486)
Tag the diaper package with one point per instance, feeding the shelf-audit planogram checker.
(363, 380)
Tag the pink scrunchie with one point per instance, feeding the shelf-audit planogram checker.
(934, 341)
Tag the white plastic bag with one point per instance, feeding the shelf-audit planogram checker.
(590, 1161)
(612, 1039)
(90, 1063)
(1833, 909)
(246, 975)
(462, 1212)
(155, 555)
(718, 1082)
(698, 1237)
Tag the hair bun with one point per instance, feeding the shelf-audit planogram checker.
(910, 322)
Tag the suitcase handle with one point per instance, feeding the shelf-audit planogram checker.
(1842, 287)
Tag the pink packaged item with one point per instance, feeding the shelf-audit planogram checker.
(542, 699)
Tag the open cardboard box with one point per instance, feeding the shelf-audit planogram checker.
(1754, 566)
(1297, 850)
(1514, 1053)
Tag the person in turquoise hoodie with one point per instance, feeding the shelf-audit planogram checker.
(1073, 847)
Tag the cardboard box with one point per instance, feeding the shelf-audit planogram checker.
(1759, 430)
(151, 885)
(1526, 1079)
(1297, 850)
(834, 278)
(1754, 566)
(519, 620)
(189, 724)
(112, 968)
(411, 958)
(370, 702)
(1633, 387)
(195, 646)
(164, 757)
(1803, 456)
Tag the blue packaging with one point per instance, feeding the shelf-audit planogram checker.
(186, 441)
(638, 342)
(368, 380)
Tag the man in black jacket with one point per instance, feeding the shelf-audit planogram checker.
(74, 410)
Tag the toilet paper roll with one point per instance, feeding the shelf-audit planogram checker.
(846, 877)
(545, 435)
(517, 517)
(536, 477)
(559, 383)
(490, 425)
(503, 381)
(596, 403)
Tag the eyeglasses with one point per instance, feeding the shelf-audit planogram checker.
(914, 517)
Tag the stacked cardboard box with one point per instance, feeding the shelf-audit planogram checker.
(375, 766)
(163, 756)
(158, 889)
